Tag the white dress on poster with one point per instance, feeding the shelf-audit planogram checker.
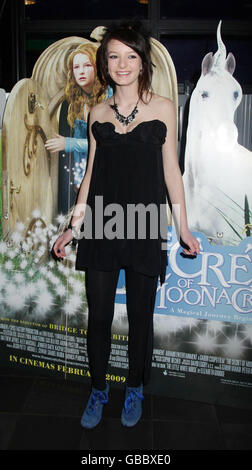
(218, 171)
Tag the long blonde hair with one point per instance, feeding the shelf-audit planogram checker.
(74, 94)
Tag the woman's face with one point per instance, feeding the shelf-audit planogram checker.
(83, 71)
(124, 64)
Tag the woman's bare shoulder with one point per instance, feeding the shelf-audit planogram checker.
(164, 107)
(99, 110)
(162, 101)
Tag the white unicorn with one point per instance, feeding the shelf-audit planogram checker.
(218, 171)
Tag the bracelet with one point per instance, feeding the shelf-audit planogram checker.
(74, 231)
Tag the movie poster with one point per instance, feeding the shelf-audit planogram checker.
(203, 311)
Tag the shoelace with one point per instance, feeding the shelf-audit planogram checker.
(95, 398)
(130, 401)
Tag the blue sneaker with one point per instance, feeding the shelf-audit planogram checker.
(132, 409)
(93, 411)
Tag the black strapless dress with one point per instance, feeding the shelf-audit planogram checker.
(127, 170)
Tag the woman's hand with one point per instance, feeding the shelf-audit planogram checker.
(56, 144)
(61, 242)
(191, 242)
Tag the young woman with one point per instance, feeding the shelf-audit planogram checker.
(82, 92)
(132, 161)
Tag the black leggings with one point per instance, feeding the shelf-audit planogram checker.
(140, 300)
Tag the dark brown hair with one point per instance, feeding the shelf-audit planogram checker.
(134, 36)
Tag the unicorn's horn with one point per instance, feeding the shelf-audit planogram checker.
(220, 55)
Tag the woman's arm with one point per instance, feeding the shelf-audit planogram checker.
(173, 178)
(78, 145)
(79, 209)
(69, 144)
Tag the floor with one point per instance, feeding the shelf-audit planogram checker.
(43, 413)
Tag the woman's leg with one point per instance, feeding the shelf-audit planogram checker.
(141, 294)
(100, 290)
